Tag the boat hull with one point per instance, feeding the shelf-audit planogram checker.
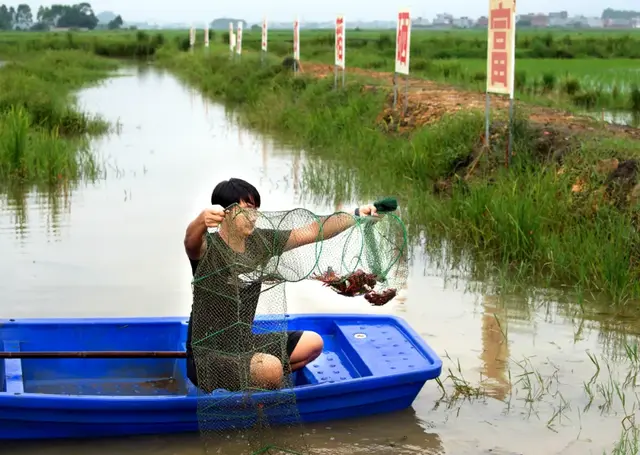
(370, 365)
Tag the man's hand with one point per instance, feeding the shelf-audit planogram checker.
(194, 243)
(213, 216)
(367, 210)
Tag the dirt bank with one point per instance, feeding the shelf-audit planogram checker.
(428, 101)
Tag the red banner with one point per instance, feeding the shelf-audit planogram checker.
(500, 58)
(403, 42)
(340, 41)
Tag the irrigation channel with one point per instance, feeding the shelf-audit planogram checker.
(113, 248)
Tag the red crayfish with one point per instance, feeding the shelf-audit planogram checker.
(356, 283)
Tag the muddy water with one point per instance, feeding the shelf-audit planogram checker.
(114, 248)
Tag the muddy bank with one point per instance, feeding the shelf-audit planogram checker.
(428, 101)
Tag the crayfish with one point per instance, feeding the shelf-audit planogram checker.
(356, 283)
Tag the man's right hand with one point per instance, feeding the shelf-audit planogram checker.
(213, 216)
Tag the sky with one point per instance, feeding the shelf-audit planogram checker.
(326, 10)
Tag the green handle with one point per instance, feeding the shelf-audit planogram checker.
(386, 205)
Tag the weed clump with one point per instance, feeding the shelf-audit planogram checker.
(43, 138)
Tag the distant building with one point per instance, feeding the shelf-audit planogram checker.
(68, 29)
(560, 19)
(462, 22)
(443, 19)
(618, 23)
(421, 22)
(539, 20)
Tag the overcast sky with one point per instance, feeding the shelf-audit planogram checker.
(284, 10)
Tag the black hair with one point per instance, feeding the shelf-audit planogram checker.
(234, 191)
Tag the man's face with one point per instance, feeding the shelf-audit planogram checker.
(244, 216)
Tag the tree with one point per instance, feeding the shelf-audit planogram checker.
(116, 23)
(71, 16)
(24, 17)
(6, 20)
(78, 16)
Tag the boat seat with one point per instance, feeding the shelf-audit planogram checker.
(380, 349)
(327, 368)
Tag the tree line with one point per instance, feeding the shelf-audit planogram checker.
(80, 15)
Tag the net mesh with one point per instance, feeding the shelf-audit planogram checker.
(246, 373)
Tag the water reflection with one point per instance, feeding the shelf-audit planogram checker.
(53, 203)
(118, 252)
(345, 437)
(624, 118)
(495, 346)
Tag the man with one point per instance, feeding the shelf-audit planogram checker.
(232, 353)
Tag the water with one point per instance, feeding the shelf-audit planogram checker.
(114, 248)
(618, 118)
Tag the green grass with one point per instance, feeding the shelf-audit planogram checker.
(578, 69)
(586, 70)
(43, 137)
(524, 222)
(117, 44)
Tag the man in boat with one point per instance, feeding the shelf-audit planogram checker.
(231, 201)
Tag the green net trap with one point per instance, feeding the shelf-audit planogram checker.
(244, 376)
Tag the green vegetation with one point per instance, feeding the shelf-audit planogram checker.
(116, 44)
(586, 70)
(43, 138)
(525, 221)
(589, 69)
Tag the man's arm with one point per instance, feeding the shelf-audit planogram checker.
(194, 242)
(330, 226)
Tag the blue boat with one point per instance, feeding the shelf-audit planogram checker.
(371, 364)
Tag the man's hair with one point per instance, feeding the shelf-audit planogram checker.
(234, 191)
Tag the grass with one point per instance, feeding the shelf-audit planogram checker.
(576, 69)
(586, 83)
(43, 137)
(116, 44)
(586, 70)
(525, 222)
